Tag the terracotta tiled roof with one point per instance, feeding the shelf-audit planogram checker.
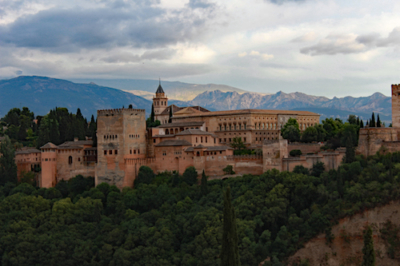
(181, 124)
(49, 145)
(195, 132)
(27, 151)
(74, 144)
(210, 148)
(174, 109)
(173, 142)
(164, 136)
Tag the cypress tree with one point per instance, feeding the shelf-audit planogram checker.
(204, 189)
(368, 249)
(230, 250)
(170, 115)
(358, 121)
(152, 114)
(361, 124)
(378, 122)
(367, 124)
(8, 168)
(372, 123)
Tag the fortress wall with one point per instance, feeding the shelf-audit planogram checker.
(370, 139)
(391, 146)
(305, 147)
(49, 169)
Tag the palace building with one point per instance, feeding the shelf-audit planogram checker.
(187, 136)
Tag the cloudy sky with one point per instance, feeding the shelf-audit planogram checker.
(321, 47)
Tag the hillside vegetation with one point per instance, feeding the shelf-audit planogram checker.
(170, 220)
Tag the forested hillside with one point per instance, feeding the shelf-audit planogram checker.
(169, 220)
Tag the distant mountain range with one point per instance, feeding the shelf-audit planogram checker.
(41, 94)
(175, 89)
(336, 107)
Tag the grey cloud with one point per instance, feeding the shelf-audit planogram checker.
(138, 26)
(347, 44)
(200, 4)
(162, 54)
(280, 2)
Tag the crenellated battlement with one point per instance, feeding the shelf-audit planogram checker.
(106, 112)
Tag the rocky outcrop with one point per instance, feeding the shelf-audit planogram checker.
(346, 247)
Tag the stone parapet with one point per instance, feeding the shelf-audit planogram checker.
(105, 112)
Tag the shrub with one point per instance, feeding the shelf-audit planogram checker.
(295, 153)
(228, 170)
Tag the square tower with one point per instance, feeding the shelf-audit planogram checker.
(121, 134)
(396, 106)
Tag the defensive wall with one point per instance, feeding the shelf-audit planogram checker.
(371, 139)
(305, 148)
(331, 160)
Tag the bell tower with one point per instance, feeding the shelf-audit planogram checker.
(160, 101)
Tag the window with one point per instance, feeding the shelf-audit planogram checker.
(105, 152)
(130, 151)
(196, 139)
(116, 152)
(69, 160)
(110, 152)
(206, 128)
(138, 151)
(154, 140)
(230, 140)
(79, 159)
(201, 139)
(134, 151)
(244, 139)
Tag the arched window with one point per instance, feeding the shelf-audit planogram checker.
(70, 160)
(198, 153)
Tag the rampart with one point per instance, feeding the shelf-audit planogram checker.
(331, 160)
(305, 147)
(118, 111)
(371, 139)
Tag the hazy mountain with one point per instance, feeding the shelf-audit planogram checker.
(174, 89)
(41, 94)
(336, 107)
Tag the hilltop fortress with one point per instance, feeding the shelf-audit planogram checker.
(190, 136)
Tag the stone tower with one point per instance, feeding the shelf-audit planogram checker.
(160, 101)
(121, 135)
(396, 106)
(49, 165)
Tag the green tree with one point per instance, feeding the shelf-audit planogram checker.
(295, 153)
(372, 121)
(368, 249)
(204, 188)
(229, 250)
(152, 115)
(8, 168)
(291, 130)
(350, 151)
(228, 170)
(300, 169)
(317, 169)
(238, 144)
(309, 135)
(378, 122)
(352, 119)
(145, 176)
(190, 176)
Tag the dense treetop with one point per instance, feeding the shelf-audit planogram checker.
(169, 220)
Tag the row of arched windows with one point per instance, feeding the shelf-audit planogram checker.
(134, 151)
(134, 136)
(233, 126)
(163, 103)
(106, 137)
(271, 126)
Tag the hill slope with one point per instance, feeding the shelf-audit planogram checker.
(41, 94)
(347, 244)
